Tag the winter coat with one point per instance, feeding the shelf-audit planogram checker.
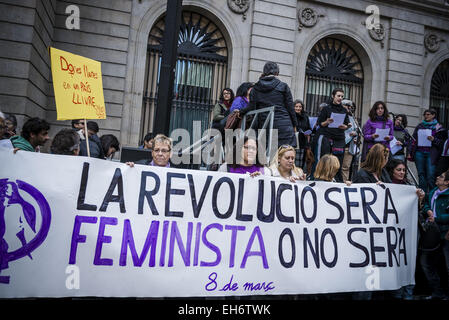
(441, 207)
(219, 112)
(440, 135)
(303, 125)
(370, 128)
(270, 91)
(363, 176)
(95, 148)
(239, 103)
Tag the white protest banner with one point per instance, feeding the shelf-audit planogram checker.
(76, 226)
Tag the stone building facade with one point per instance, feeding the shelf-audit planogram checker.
(395, 51)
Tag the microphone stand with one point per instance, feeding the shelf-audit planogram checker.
(356, 158)
(409, 137)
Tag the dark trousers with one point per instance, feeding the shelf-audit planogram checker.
(429, 264)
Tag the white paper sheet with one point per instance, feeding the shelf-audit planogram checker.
(312, 121)
(394, 147)
(339, 118)
(382, 134)
(422, 138)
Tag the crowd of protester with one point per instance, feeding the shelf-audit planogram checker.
(321, 151)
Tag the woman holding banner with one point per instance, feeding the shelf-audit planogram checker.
(283, 165)
(372, 169)
(244, 160)
(327, 168)
(398, 174)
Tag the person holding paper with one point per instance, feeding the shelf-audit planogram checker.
(400, 123)
(378, 120)
(332, 140)
(304, 130)
(426, 149)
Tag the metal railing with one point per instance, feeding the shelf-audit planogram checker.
(208, 141)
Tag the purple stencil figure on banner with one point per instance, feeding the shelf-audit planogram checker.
(9, 194)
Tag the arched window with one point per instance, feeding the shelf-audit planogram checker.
(332, 64)
(439, 92)
(201, 72)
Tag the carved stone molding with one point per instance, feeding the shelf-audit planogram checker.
(432, 42)
(239, 7)
(308, 17)
(377, 32)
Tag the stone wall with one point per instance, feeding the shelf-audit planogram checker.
(26, 30)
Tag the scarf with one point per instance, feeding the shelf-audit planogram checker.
(227, 103)
(395, 181)
(22, 143)
(433, 200)
(430, 125)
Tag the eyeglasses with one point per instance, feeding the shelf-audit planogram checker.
(250, 148)
(285, 146)
(161, 150)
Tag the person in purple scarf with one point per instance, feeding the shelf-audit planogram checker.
(426, 158)
(378, 119)
(244, 158)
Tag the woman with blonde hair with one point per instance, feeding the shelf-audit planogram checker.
(327, 168)
(283, 165)
(372, 169)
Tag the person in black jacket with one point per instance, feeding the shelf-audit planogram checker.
(270, 91)
(372, 170)
(332, 140)
(96, 151)
(303, 131)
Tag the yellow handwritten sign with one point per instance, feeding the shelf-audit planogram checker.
(78, 86)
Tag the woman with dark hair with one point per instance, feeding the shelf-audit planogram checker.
(110, 145)
(244, 158)
(398, 173)
(378, 119)
(242, 96)
(222, 108)
(303, 131)
(400, 123)
(426, 157)
(331, 138)
(269, 91)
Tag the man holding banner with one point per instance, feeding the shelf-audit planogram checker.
(34, 135)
